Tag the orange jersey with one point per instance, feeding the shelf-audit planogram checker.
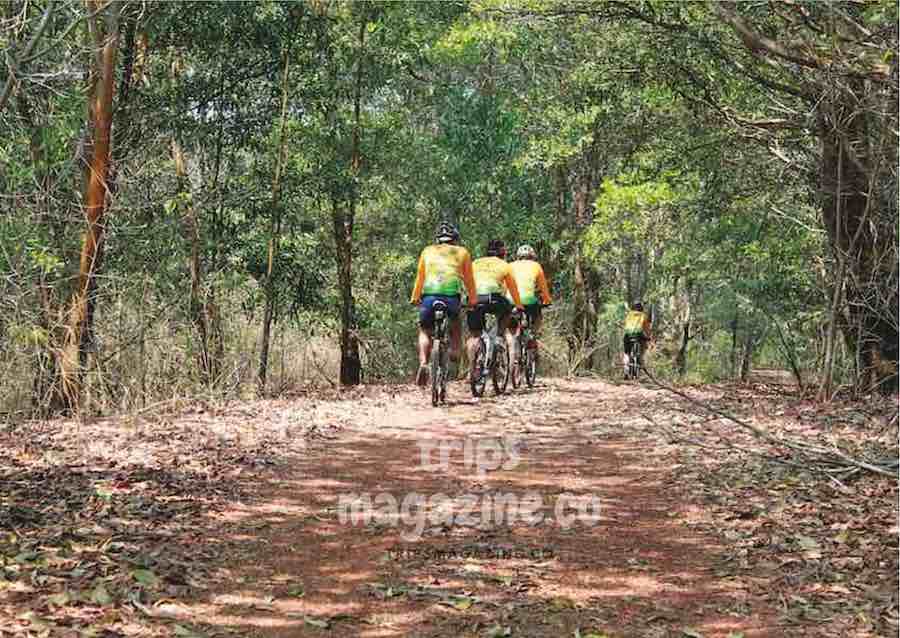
(493, 276)
(444, 269)
(530, 279)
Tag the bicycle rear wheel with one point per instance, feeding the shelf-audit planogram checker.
(500, 370)
(436, 376)
(634, 361)
(479, 379)
(530, 366)
(518, 367)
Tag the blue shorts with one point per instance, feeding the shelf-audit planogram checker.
(426, 308)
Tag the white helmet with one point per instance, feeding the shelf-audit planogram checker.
(526, 252)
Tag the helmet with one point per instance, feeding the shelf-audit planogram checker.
(446, 233)
(526, 252)
(637, 305)
(496, 248)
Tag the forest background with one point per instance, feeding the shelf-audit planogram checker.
(223, 199)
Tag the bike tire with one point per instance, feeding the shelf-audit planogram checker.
(478, 382)
(530, 366)
(500, 370)
(445, 373)
(518, 365)
(436, 373)
(634, 365)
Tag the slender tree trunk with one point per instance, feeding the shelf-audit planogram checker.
(79, 319)
(749, 347)
(191, 225)
(274, 236)
(343, 217)
(351, 365)
(734, 346)
(585, 308)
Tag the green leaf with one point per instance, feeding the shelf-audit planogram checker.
(145, 577)
(60, 600)
(100, 595)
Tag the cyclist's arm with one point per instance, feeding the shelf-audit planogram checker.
(513, 289)
(646, 327)
(468, 277)
(416, 296)
(544, 287)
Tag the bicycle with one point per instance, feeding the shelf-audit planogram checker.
(439, 354)
(633, 359)
(526, 353)
(491, 358)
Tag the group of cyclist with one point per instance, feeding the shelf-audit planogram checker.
(446, 273)
(491, 285)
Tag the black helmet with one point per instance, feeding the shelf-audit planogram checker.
(446, 233)
(496, 248)
(637, 305)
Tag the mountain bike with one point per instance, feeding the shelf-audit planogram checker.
(491, 359)
(526, 353)
(439, 353)
(633, 362)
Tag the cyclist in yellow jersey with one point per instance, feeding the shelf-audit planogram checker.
(533, 287)
(493, 281)
(445, 268)
(637, 328)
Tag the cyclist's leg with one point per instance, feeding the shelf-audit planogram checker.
(503, 312)
(475, 323)
(426, 324)
(453, 323)
(535, 318)
(626, 353)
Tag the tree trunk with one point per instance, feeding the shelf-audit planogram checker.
(274, 238)
(79, 319)
(191, 227)
(861, 228)
(749, 346)
(343, 216)
(351, 365)
(734, 346)
(686, 325)
(584, 319)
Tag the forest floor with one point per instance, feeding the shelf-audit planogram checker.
(221, 520)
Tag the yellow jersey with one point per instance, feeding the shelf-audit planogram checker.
(444, 269)
(530, 280)
(493, 276)
(637, 322)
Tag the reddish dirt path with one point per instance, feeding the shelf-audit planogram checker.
(640, 570)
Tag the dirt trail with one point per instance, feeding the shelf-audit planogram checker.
(641, 569)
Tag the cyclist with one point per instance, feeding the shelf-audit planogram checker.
(493, 280)
(532, 284)
(445, 268)
(637, 328)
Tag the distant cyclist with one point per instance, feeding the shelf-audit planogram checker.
(445, 268)
(532, 284)
(637, 328)
(493, 281)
